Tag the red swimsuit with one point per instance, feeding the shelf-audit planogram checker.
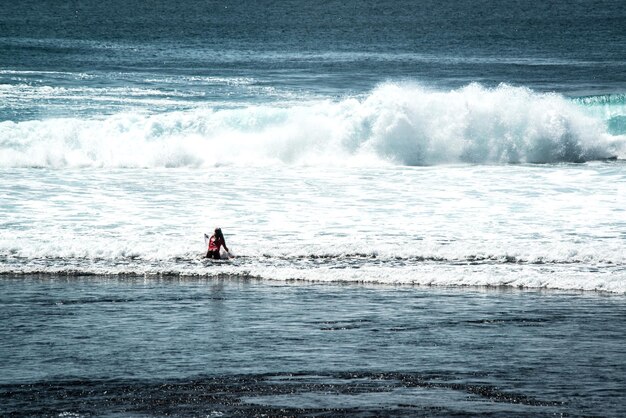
(214, 247)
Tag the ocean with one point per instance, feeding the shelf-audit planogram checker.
(424, 201)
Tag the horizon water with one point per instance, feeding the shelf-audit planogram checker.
(409, 189)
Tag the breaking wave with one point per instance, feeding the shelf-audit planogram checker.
(402, 124)
(570, 273)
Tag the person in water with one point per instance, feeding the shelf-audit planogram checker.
(215, 243)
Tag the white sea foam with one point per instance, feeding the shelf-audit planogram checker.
(563, 277)
(555, 226)
(401, 124)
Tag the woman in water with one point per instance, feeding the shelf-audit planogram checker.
(215, 243)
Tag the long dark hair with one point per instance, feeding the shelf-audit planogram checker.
(218, 234)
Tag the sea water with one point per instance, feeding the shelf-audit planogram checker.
(112, 346)
(345, 148)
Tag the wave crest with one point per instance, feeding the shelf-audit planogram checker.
(395, 124)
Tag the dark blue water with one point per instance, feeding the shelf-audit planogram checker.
(97, 346)
(329, 48)
(121, 346)
(101, 58)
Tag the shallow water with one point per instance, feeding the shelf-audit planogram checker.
(555, 226)
(123, 346)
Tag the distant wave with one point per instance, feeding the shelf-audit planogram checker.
(402, 124)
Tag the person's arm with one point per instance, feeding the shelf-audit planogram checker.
(224, 244)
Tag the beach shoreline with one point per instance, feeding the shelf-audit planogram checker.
(210, 277)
